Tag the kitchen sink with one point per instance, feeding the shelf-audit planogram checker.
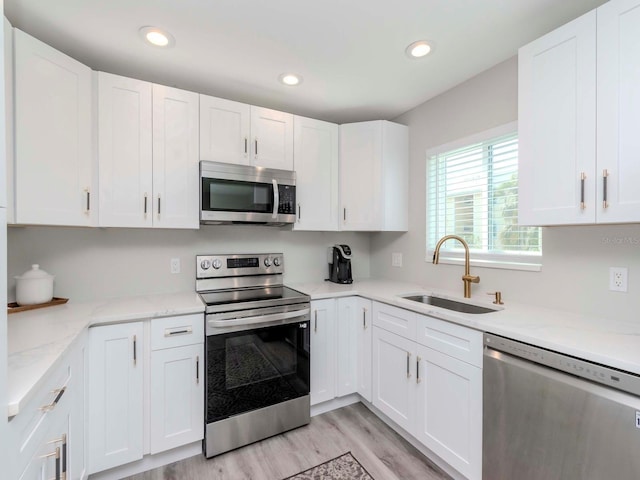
(448, 304)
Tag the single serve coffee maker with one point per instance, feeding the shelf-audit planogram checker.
(339, 257)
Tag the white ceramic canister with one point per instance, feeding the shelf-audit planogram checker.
(34, 286)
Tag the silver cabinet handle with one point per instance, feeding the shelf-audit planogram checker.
(158, 205)
(197, 368)
(605, 175)
(63, 440)
(582, 179)
(408, 367)
(315, 324)
(344, 214)
(245, 146)
(418, 360)
(364, 318)
(135, 349)
(58, 392)
(299, 212)
(56, 455)
(88, 209)
(145, 203)
(256, 147)
(182, 331)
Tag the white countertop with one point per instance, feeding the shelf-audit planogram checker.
(37, 339)
(601, 340)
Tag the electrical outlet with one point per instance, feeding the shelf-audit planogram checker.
(396, 259)
(175, 265)
(618, 279)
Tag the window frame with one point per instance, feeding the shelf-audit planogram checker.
(528, 261)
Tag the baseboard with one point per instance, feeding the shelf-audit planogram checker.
(334, 404)
(149, 462)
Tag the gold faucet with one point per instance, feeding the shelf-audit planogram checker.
(466, 278)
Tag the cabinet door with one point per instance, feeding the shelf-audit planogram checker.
(177, 397)
(557, 125)
(315, 150)
(224, 130)
(124, 151)
(449, 410)
(394, 388)
(6, 174)
(364, 343)
(175, 158)
(271, 138)
(53, 129)
(323, 350)
(115, 410)
(347, 333)
(360, 175)
(618, 112)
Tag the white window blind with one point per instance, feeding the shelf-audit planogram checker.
(472, 192)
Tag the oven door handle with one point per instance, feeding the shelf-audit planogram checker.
(276, 199)
(272, 317)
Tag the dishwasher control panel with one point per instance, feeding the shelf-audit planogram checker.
(618, 379)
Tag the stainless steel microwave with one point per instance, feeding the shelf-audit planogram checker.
(244, 194)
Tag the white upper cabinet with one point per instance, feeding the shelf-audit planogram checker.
(224, 130)
(618, 94)
(579, 107)
(175, 158)
(234, 132)
(272, 138)
(6, 172)
(315, 148)
(147, 154)
(374, 176)
(53, 131)
(124, 151)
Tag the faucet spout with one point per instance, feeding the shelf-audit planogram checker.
(467, 278)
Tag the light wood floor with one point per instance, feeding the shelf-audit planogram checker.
(384, 454)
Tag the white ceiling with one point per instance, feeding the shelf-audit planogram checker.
(349, 52)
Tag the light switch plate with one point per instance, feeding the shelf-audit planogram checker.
(175, 265)
(396, 259)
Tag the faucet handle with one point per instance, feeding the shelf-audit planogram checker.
(498, 299)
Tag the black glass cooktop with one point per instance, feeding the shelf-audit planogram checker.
(247, 298)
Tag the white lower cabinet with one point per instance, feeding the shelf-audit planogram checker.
(323, 350)
(46, 439)
(116, 401)
(430, 384)
(171, 352)
(177, 403)
(449, 410)
(364, 331)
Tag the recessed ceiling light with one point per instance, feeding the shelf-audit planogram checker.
(419, 49)
(157, 37)
(290, 79)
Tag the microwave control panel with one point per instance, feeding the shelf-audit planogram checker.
(287, 195)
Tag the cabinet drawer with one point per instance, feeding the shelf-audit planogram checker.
(179, 331)
(396, 320)
(28, 428)
(454, 340)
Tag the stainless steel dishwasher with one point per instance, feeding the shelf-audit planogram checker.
(550, 416)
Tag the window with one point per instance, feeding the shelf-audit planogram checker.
(472, 192)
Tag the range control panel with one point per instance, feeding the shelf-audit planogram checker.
(215, 266)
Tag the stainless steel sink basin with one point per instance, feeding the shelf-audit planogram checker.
(448, 304)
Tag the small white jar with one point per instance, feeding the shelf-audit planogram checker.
(34, 286)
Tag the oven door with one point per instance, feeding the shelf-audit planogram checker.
(258, 366)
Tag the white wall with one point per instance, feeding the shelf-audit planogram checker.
(576, 260)
(100, 263)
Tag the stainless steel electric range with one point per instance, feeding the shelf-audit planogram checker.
(257, 350)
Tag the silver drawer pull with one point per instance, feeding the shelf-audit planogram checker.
(58, 392)
(181, 331)
(408, 360)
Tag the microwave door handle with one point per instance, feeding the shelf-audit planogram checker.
(276, 199)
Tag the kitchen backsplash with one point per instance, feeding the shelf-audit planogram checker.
(93, 263)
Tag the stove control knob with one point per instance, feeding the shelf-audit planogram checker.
(267, 262)
(205, 264)
(217, 263)
(276, 261)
